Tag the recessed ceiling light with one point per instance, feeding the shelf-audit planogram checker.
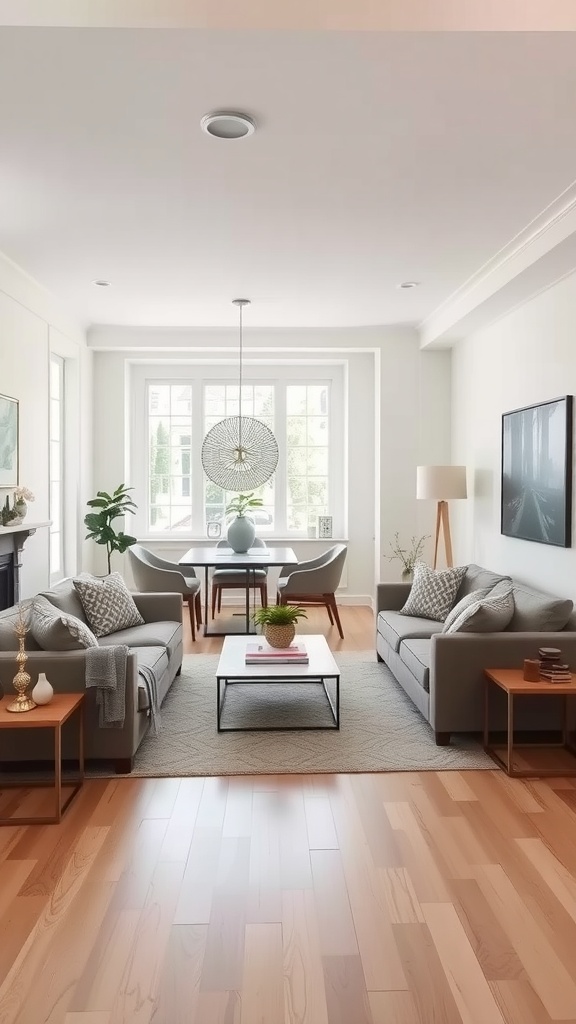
(101, 284)
(409, 284)
(227, 124)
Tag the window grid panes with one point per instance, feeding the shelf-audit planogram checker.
(221, 401)
(169, 457)
(307, 454)
(56, 462)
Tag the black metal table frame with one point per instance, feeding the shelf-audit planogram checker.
(239, 680)
(248, 631)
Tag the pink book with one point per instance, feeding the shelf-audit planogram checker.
(263, 650)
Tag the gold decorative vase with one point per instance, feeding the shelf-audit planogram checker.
(21, 681)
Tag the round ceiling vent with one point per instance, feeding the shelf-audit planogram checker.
(226, 124)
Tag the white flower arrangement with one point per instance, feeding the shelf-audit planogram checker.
(23, 494)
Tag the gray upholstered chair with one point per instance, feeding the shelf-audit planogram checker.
(236, 579)
(155, 575)
(315, 582)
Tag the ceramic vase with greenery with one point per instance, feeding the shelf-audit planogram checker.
(278, 623)
(110, 507)
(408, 556)
(241, 532)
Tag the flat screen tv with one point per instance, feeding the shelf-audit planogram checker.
(537, 472)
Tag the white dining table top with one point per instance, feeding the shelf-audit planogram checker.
(228, 559)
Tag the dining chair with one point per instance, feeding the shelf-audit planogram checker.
(155, 575)
(314, 582)
(238, 579)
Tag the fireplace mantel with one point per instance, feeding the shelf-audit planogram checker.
(12, 541)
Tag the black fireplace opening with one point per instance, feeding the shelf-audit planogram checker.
(6, 581)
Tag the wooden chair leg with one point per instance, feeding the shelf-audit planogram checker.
(190, 603)
(198, 607)
(264, 594)
(214, 595)
(328, 608)
(334, 607)
(219, 599)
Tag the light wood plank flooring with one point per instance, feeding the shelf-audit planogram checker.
(408, 898)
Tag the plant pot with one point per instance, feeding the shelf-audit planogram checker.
(241, 534)
(407, 576)
(20, 508)
(280, 636)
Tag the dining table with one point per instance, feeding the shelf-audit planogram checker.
(226, 558)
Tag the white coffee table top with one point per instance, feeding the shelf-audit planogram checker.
(232, 660)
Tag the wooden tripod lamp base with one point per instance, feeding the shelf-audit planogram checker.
(443, 526)
(441, 483)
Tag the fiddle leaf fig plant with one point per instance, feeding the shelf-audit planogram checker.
(242, 502)
(99, 523)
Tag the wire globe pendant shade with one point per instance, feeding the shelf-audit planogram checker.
(240, 452)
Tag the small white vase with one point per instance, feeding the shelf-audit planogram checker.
(42, 692)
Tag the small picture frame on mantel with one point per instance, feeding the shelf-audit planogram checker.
(325, 527)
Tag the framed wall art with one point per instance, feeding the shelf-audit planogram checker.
(8, 441)
(213, 530)
(536, 493)
(325, 526)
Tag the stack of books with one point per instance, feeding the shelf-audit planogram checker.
(552, 669)
(262, 653)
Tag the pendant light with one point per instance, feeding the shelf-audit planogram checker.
(240, 453)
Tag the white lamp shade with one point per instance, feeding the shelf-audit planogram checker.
(441, 482)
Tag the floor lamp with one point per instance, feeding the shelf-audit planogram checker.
(441, 483)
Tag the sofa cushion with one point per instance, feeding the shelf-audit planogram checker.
(155, 658)
(477, 578)
(537, 612)
(395, 628)
(151, 634)
(65, 597)
(433, 591)
(463, 604)
(8, 619)
(416, 656)
(108, 604)
(54, 630)
(489, 615)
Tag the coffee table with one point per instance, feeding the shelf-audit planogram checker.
(232, 670)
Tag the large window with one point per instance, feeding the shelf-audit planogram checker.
(303, 407)
(56, 467)
(169, 456)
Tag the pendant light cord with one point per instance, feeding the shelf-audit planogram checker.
(240, 388)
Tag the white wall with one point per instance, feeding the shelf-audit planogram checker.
(398, 416)
(31, 327)
(527, 357)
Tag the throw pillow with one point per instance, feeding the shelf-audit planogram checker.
(54, 630)
(490, 615)
(108, 604)
(463, 604)
(433, 591)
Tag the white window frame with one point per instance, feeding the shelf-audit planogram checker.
(199, 373)
(58, 362)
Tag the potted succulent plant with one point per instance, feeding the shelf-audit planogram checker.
(241, 532)
(278, 623)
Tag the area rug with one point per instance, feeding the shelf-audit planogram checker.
(380, 729)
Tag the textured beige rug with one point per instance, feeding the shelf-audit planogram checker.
(380, 729)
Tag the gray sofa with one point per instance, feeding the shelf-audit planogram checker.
(444, 674)
(157, 643)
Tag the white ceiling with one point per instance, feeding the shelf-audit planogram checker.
(379, 158)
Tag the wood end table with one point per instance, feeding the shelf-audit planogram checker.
(47, 716)
(512, 682)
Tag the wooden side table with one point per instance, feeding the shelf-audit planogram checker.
(48, 716)
(511, 680)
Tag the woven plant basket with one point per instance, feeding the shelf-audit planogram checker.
(280, 636)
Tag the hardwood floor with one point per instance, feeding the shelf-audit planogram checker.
(408, 898)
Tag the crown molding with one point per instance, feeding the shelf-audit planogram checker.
(535, 259)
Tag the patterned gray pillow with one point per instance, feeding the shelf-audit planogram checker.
(433, 591)
(108, 604)
(55, 630)
(463, 604)
(490, 615)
